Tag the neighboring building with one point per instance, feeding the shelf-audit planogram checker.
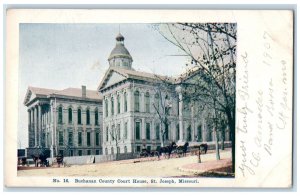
(65, 121)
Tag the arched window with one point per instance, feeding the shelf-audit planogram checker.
(60, 115)
(70, 115)
(112, 106)
(125, 102)
(147, 102)
(119, 104)
(87, 116)
(106, 107)
(96, 117)
(79, 116)
(136, 101)
(157, 101)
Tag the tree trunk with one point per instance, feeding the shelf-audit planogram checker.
(231, 122)
(222, 141)
(161, 138)
(217, 144)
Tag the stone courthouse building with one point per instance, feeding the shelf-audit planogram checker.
(65, 121)
(123, 115)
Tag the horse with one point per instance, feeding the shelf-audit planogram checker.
(166, 150)
(60, 159)
(181, 150)
(145, 153)
(203, 148)
(40, 159)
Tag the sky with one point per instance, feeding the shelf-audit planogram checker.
(59, 56)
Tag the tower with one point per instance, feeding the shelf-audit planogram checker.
(119, 56)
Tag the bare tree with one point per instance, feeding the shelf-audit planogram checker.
(211, 48)
(162, 106)
(116, 138)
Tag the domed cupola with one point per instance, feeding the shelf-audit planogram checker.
(120, 56)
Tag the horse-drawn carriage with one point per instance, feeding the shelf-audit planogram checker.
(39, 156)
(172, 148)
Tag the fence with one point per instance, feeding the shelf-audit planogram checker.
(90, 159)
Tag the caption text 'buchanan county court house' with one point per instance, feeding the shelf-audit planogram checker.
(122, 116)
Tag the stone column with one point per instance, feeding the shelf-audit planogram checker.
(29, 127)
(193, 122)
(143, 129)
(53, 130)
(179, 91)
(32, 125)
(130, 100)
(35, 127)
(204, 131)
(40, 124)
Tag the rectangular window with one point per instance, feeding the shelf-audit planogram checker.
(125, 102)
(79, 138)
(97, 138)
(137, 130)
(157, 132)
(119, 104)
(70, 139)
(107, 134)
(61, 152)
(70, 115)
(60, 115)
(136, 101)
(79, 116)
(112, 106)
(118, 131)
(88, 152)
(138, 149)
(97, 152)
(96, 118)
(61, 138)
(113, 132)
(88, 138)
(88, 117)
(106, 108)
(167, 132)
(125, 131)
(148, 131)
(71, 153)
(79, 152)
(149, 148)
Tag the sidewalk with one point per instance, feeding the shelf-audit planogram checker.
(222, 166)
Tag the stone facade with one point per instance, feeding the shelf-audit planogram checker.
(134, 104)
(130, 108)
(68, 122)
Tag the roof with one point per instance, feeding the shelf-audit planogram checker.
(77, 92)
(119, 51)
(130, 73)
(35, 92)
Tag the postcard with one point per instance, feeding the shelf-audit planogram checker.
(149, 98)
